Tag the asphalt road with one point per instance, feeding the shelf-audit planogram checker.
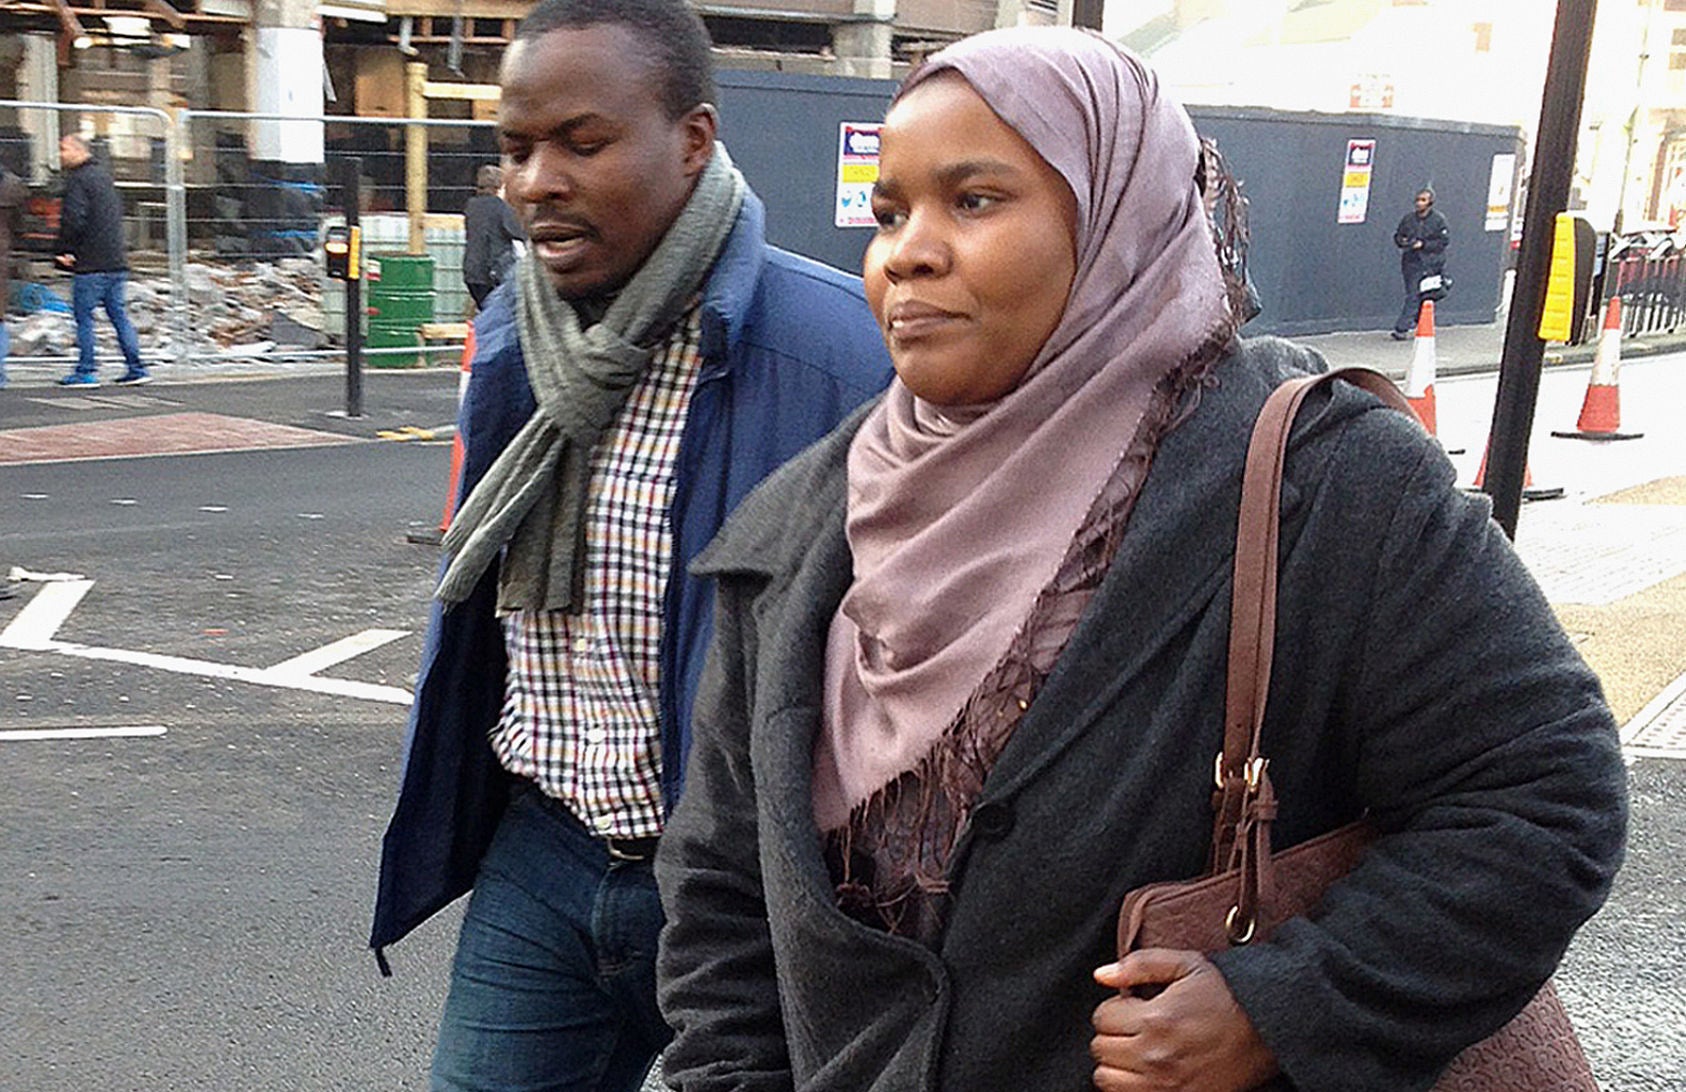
(189, 909)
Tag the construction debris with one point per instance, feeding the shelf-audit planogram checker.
(246, 310)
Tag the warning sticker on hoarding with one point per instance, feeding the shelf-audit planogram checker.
(1355, 181)
(1498, 191)
(857, 170)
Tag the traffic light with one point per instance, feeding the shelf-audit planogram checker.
(343, 250)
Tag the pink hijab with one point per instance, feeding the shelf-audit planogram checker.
(958, 520)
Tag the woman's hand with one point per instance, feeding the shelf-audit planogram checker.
(1190, 1035)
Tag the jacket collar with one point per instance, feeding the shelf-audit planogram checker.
(732, 282)
(773, 530)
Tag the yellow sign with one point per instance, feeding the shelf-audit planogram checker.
(1557, 317)
(858, 173)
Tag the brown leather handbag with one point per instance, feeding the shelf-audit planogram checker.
(1250, 891)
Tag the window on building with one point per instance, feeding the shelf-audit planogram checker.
(1677, 50)
(1483, 37)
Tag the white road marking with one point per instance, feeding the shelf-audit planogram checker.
(24, 735)
(35, 625)
(213, 508)
(41, 617)
(344, 649)
(18, 572)
(260, 676)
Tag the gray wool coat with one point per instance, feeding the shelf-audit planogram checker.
(1420, 676)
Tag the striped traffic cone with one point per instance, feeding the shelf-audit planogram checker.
(1601, 412)
(432, 537)
(1419, 379)
(1530, 492)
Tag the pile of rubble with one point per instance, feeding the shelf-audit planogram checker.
(247, 310)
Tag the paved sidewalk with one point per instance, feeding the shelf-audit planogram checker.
(1465, 350)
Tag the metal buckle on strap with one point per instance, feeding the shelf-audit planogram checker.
(1253, 774)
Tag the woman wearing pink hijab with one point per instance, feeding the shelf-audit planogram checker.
(967, 682)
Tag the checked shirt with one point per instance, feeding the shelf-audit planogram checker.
(580, 706)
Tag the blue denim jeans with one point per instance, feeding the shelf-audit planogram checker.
(554, 982)
(90, 290)
(5, 342)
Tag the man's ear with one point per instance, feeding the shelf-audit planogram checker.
(700, 125)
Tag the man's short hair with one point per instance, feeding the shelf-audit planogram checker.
(676, 44)
(488, 178)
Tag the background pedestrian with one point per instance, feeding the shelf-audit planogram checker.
(492, 231)
(13, 193)
(1422, 238)
(90, 245)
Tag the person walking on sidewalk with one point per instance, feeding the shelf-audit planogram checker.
(1421, 237)
(13, 193)
(652, 362)
(90, 245)
(491, 232)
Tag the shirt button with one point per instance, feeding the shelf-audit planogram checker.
(603, 824)
(582, 645)
(596, 737)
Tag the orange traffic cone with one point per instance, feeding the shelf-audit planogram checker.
(433, 537)
(1419, 380)
(1530, 492)
(1601, 412)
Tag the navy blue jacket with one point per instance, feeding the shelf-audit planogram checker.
(789, 349)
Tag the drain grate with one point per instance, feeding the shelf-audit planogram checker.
(1659, 731)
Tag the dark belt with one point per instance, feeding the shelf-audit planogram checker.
(631, 849)
(619, 849)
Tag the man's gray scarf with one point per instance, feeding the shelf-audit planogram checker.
(534, 495)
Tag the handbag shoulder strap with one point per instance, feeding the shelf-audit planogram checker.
(1240, 770)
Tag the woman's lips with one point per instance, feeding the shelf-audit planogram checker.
(913, 321)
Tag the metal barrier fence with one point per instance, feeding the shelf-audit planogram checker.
(1652, 291)
(225, 244)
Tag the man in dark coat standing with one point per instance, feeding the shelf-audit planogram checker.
(492, 229)
(1421, 238)
(90, 245)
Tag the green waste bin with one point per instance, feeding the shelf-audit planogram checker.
(400, 300)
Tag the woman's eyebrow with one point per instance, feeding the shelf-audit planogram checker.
(952, 174)
(955, 173)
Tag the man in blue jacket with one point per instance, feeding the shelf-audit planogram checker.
(90, 245)
(649, 363)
